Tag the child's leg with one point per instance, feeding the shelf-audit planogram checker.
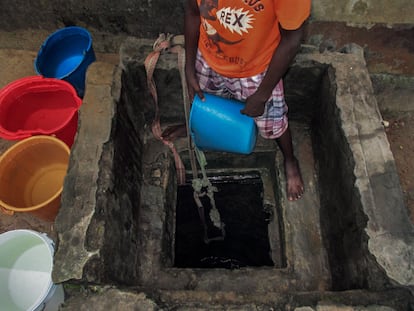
(273, 124)
(294, 181)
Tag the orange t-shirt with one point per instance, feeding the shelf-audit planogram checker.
(238, 37)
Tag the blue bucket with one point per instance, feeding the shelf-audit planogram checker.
(216, 124)
(66, 55)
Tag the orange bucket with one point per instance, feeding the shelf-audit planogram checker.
(31, 176)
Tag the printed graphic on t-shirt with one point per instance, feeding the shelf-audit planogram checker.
(234, 20)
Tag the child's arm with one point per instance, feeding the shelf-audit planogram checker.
(282, 58)
(191, 34)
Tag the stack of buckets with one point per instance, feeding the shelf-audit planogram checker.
(41, 113)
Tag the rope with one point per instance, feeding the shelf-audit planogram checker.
(174, 44)
(197, 183)
(162, 44)
(181, 67)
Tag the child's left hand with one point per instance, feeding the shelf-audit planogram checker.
(255, 105)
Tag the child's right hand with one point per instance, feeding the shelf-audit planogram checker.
(193, 87)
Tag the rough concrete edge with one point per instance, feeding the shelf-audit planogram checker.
(304, 258)
(69, 261)
(109, 298)
(104, 297)
(113, 298)
(343, 300)
(363, 134)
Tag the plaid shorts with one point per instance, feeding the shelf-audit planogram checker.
(273, 123)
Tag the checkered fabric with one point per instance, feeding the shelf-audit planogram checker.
(273, 123)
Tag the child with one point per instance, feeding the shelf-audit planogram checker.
(241, 49)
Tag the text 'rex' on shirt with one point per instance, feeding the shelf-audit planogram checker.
(238, 37)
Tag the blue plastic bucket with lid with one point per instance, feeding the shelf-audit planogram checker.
(216, 124)
(66, 55)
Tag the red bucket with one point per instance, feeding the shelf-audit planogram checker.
(39, 106)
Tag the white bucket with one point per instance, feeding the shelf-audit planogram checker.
(26, 262)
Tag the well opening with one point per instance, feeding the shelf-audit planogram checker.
(237, 238)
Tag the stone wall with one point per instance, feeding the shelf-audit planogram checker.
(364, 12)
(146, 18)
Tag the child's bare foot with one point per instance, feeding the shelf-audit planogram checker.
(294, 180)
(174, 132)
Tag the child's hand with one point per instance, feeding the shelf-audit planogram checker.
(254, 106)
(193, 86)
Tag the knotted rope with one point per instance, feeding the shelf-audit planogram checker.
(174, 44)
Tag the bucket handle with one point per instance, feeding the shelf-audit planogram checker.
(6, 211)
